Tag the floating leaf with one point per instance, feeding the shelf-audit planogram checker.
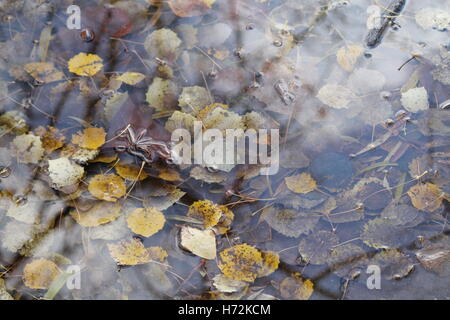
(44, 72)
(27, 148)
(40, 273)
(200, 242)
(426, 197)
(146, 221)
(296, 288)
(64, 173)
(108, 187)
(85, 64)
(270, 263)
(100, 213)
(131, 78)
(301, 183)
(241, 262)
(209, 212)
(90, 138)
(347, 56)
(129, 252)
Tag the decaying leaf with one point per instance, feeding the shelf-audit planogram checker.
(270, 263)
(85, 64)
(336, 96)
(296, 288)
(163, 44)
(347, 56)
(129, 252)
(200, 242)
(226, 285)
(380, 233)
(436, 258)
(51, 138)
(346, 258)
(101, 213)
(90, 138)
(393, 264)
(317, 248)
(40, 273)
(180, 120)
(44, 72)
(162, 94)
(403, 215)
(209, 212)
(205, 175)
(27, 148)
(4, 295)
(131, 78)
(415, 100)
(190, 8)
(130, 172)
(108, 187)
(193, 99)
(426, 197)
(64, 173)
(146, 221)
(241, 262)
(301, 183)
(290, 223)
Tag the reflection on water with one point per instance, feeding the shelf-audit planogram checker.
(364, 149)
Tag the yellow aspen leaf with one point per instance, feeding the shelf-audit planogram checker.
(157, 254)
(51, 138)
(426, 197)
(105, 158)
(225, 221)
(90, 138)
(43, 72)
(146, 221)
(301, 183)
(202, 114)
(296, 288)
(129, 252)
(271, 260)
(40, 273)
(131, 78)
(241, 262)
(190, 8)
(100, 213)
(85, 64)
(108, 187)
(130, 172)
(202, 243)
(347, 56)
(209, 212)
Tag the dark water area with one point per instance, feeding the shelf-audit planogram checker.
(94, 205)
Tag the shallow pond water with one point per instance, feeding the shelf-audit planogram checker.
(97, 202)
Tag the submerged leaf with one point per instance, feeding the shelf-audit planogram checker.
(90, 138)
(301, 183)
(108, 187)
(290, 223)
(39, 274)
(85, 64)
(146, 222)
(129, 252)
(296, 288)
(100, 213)
(426, 197)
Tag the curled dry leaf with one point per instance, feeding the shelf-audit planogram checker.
(90, 138)
(301, 183)
(146, 221)
(129, 252)
(200, 242)
(85, 64)
(64, 173)
(108, 187)
(40, 273)
(426, 197)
